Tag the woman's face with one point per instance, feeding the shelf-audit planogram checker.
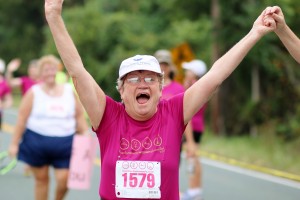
(166, 68)
(33, 72)
(48, 73)
(141, 93)
(189, 79)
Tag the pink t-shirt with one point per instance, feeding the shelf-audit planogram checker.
(26, 83)
(4, 89)
(172, 89)
(198, 120)
(157, 139)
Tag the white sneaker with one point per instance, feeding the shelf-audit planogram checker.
(188, 196)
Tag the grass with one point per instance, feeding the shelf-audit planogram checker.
(265, 150)
(17, 96)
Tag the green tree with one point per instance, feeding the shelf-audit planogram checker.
(20, 29)
(21, 25)
(108, 31)
(272, 60)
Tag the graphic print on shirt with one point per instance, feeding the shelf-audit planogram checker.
(142, 146)
(138, 179)
(56, 109)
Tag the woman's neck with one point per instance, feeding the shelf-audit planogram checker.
(51, 89)
(167, 81)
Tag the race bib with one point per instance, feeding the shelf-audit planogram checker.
(138, 179)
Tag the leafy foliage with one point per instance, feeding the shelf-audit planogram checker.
(108, 31)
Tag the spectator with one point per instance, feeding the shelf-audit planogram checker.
(24, 82)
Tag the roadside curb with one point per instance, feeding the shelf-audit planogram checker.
(234, 162)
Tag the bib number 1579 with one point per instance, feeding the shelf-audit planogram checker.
(138, 179)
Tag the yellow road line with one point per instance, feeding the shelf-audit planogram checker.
(97, 161)
(8, 128)
(266, 170)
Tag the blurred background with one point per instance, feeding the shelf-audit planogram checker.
(253, 117)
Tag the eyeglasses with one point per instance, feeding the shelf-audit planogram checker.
(135, 80)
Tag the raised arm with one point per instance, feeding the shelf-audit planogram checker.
(12, 66)
(200, 92)
(90, 94)
(285, 34)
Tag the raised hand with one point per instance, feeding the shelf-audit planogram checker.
(264, 23)
(276, 13)
(283, 31)
(53, 8)
(13, 65)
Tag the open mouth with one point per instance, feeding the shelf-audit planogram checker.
(142, 98)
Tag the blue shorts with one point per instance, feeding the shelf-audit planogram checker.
(38, 150)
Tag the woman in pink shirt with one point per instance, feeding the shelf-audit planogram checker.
(24, 82)
(6, 99)
(194, 70)
(171, 87)
(140, 137)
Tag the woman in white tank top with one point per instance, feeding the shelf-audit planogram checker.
(49, 115)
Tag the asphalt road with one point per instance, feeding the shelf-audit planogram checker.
(221, 181)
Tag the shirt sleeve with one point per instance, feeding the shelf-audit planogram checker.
(175, 106)
(111, 112)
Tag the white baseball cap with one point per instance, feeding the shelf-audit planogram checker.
(139, 62)
(163, 56)
(2, 65)
(198, 67)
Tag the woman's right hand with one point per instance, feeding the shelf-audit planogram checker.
(13, 150)
(276, 13)
(53, 8)
(263, 24)
(13, 65)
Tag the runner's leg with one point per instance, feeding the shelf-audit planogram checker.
(41, 177)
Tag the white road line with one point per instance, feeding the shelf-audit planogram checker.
(251, 173)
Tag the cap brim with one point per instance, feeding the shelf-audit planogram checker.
(140, 67)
